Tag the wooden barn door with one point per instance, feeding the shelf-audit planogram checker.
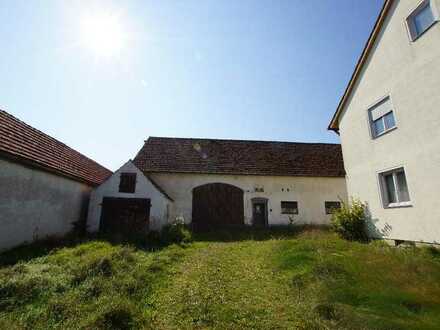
(217, 205)
(125, 215)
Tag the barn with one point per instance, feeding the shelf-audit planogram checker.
(128, 201)
(211, 183)
(44, 184)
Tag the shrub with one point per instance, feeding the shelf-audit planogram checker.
(176, 232)
(350, 221)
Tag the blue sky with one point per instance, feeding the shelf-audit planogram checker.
(249, 69)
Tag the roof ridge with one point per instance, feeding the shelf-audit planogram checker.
(239, 140)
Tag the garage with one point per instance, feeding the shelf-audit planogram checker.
(125, 215)
(217, 205)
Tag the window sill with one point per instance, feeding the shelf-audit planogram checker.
(384, 132)
(421, 34)
(398, 205)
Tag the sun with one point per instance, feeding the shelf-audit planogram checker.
(103, 34)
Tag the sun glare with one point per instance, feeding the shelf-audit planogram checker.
(103, 34)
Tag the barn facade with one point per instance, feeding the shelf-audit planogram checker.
(223, 183)
(45, 185)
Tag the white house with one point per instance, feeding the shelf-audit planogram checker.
(44, 184)
(389, 119)
(212, 183)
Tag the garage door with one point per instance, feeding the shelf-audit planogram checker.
(125, 215)
(217, 205)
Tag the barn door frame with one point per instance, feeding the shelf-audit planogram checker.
(203, 217)
(107, 201)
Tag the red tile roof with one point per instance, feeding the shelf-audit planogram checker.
(25, 143)
(240, 157)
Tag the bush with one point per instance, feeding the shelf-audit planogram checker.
(176, 232)
(350, 221)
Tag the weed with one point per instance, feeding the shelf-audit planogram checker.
(250, 279)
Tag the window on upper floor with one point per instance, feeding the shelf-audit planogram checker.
(381, 117)
(331, 206)
(127, 183)
(290, 207)
(421, 19)
(394, 188)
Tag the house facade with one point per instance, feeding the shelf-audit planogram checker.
(44, 185)
(210, 183)
(388, 120)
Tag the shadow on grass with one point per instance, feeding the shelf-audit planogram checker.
(27, 252)
(152, 242)
(247, 233)
(37, 249)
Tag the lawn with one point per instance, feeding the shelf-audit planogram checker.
(248, 280)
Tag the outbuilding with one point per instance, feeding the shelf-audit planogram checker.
(212, 183)
(44, 184)
(128, 202)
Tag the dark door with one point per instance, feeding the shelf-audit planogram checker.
(125, 215)
(259, 213)
(217, 205)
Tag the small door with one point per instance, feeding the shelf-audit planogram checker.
(125, 215)
(259, 214)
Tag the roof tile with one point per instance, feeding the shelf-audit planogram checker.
(25, 142)
(184, 155)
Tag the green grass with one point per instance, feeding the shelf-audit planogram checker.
(248, 280)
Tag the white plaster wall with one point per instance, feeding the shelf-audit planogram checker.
(144, 189)
(35, 204)
(410, 73)
(311, 193)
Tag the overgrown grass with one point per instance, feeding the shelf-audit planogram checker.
(247, 279)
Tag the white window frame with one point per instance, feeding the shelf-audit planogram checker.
(370, 119)
(409, 22)
(329, 210)
(383, 188)
(295, 209)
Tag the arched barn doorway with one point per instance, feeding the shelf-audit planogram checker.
(217, 205)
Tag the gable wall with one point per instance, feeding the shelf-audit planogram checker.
(311, 193)
(144, 189)
(410, 73)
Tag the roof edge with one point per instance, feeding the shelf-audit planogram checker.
(238, 140)
(157, 186)
(52, 138)
(36, 165)
(241, 174)
(334, 123)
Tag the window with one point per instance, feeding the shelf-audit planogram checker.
(127, 183)
(331, 206)
(421, 19)
(289, 207)
(394, 188)
(381, 117)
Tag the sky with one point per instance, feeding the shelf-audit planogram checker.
(102, 76)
